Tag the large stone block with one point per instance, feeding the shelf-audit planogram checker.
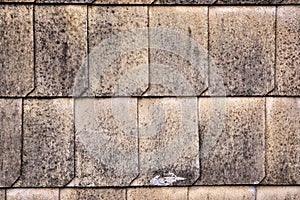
(123, 1)
(226, 2)
(48, 143)
(221, 193)
(288, 51)
(168, 141)
(10, 140)
(178, 51)
(106, 141)
(118, 51)
(60, 38)
(91, 194)
(173, 193)
(278, 193)
(32, 194)
(16, 50)
(283, 141)
(232, 140)
(242, 50)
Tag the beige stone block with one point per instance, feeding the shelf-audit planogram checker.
(16, 50)
(173, 193)
(32, 194)
(232, 134)
(278, 193)
(10, 140)
(91, 194)
(106, 141)
(283, 141)
(178, 51)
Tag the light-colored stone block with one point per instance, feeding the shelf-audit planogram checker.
(32, 194)
(278, 193)
(91, 194)
(173, 193)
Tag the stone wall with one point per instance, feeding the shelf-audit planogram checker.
(144, 99)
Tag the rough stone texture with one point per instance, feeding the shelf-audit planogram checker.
(168, 139)
(16, 50)
(118, 52)
(91, 194)
(32, 194)
(106, 141)
(16, 0)
(2, 194)
(123, 1)
(283, 141)
(232, 140)
(10, 140)
(64, 1)
(221, 193)
(288, 51)
(242, 49)
(48, 133)
(178, 51)
(173, 193)
(60, 49)
(278, 193)
(228, 2)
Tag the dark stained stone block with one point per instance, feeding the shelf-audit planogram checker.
(173, 193)
(10, 140)
(91, 194)
(283, 141)
(278, 193)
(288, 51)
(118, 51)
(60, 50)
(168, 141)
(232, 140)
(178, 51)
(106, 141)
(221, 193)
(32, 194)
(16, 50)
(242, 50)
(48, 145)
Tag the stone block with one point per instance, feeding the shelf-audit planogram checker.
(173, 193)
(242, 50)
(178, 51)
(60, 38)
(232, 134)
(106, 141)
(32, 194)
(118, 51)
(221, 193)
(10, 140)
(48, 143)
(283, 141)
(168, 141)
(91, 194)
(288, 51)
(278, 193)
(16, 50)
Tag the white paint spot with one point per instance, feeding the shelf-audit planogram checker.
(167, 179)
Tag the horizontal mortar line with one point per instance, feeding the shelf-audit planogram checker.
(150, 186)
(106, 97)
(150, 5)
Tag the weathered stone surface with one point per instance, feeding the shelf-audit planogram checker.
(278, 193)
(283, 141)
(118, 51)
(48, 133)
(232, 140)
(123, 1)
(16, 50)
(178, 51)
(106, 141)
(10, 140)
(221, 193)
(288, 51)
(2, 194)
(242, 49)
(64, 1)
(173, 193)
(16, 0)
(228, 2)
(91, 194)
(168, 141)
(60, 49)
(32, 194)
